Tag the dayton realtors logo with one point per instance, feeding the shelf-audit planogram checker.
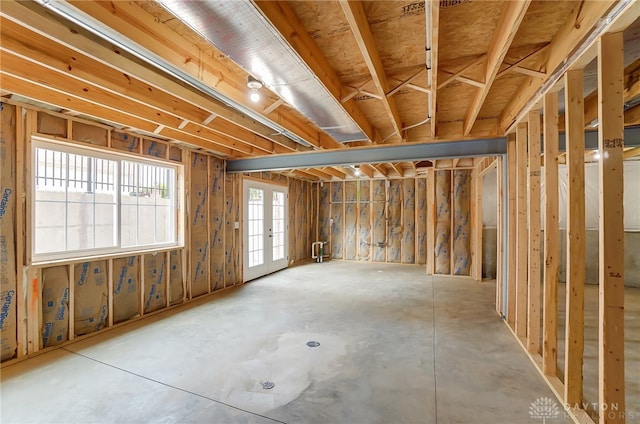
(544, 408)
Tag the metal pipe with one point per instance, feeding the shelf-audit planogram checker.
(428, 26)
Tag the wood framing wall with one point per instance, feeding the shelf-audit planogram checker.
(48, 305)
(526, 298)
(374, 220)
(426, 219)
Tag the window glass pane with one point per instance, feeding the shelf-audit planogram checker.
(148, 203)
(83, 203)
(50, 235)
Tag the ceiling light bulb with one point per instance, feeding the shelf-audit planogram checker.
(357, 171)
(254, 96)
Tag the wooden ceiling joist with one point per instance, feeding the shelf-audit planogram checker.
(284, 19)
(136, 24)
(631, 153)
(103, 88)
(73, 39)
(510, 19)
(563, 43)
(434, 34)
(318, 173)
(335, 172)
(631, 92)
(357, 18)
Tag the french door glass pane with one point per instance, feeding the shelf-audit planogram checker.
(278, 225)
(256, 226)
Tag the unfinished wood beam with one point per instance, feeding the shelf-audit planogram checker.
(512, 14)
(511, 67)
(89, 79)
(564, 42)
(319, 173)
(405, 83)
(476, 225)
(530, 72)
(357, 18)
(367, 170)
(415, 87)
(551, 237)
(381, 169)
(273, 106)
(511, 230)
(630, 153)
(454, 75)
(135, 23)
(521, 231)
(611, 376)
(534, 277)
(396, 167)
(631, 91)
(431, 220)
(434, 33)
(574, 334)
(632, 115)
(335, 172)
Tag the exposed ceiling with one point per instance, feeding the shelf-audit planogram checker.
(377, 72)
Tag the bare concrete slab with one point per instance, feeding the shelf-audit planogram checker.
(395, 346)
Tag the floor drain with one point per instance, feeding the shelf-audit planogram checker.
(267, 385)
(313, 344)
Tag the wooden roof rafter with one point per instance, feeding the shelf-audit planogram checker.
(510, 19)
(357, 18)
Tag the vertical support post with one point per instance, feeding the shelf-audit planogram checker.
(34, 305)
(611, 382)
(431, 219)
(209, 232)
(551, 237)
(521, 231)
(72, 300)
(476, 225)
(534, 278)
(110, 278)
(574, 338)
(511, 230)
(20, 234)
(499, 234)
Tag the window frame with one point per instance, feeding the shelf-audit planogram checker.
(68, 256)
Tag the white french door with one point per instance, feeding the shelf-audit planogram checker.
(264, 228)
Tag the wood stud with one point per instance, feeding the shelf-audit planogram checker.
(574, 337)
(611, 341)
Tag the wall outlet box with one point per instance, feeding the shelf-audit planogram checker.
(236, 225)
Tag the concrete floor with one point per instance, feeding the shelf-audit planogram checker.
(590, 365)
(396, 346)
